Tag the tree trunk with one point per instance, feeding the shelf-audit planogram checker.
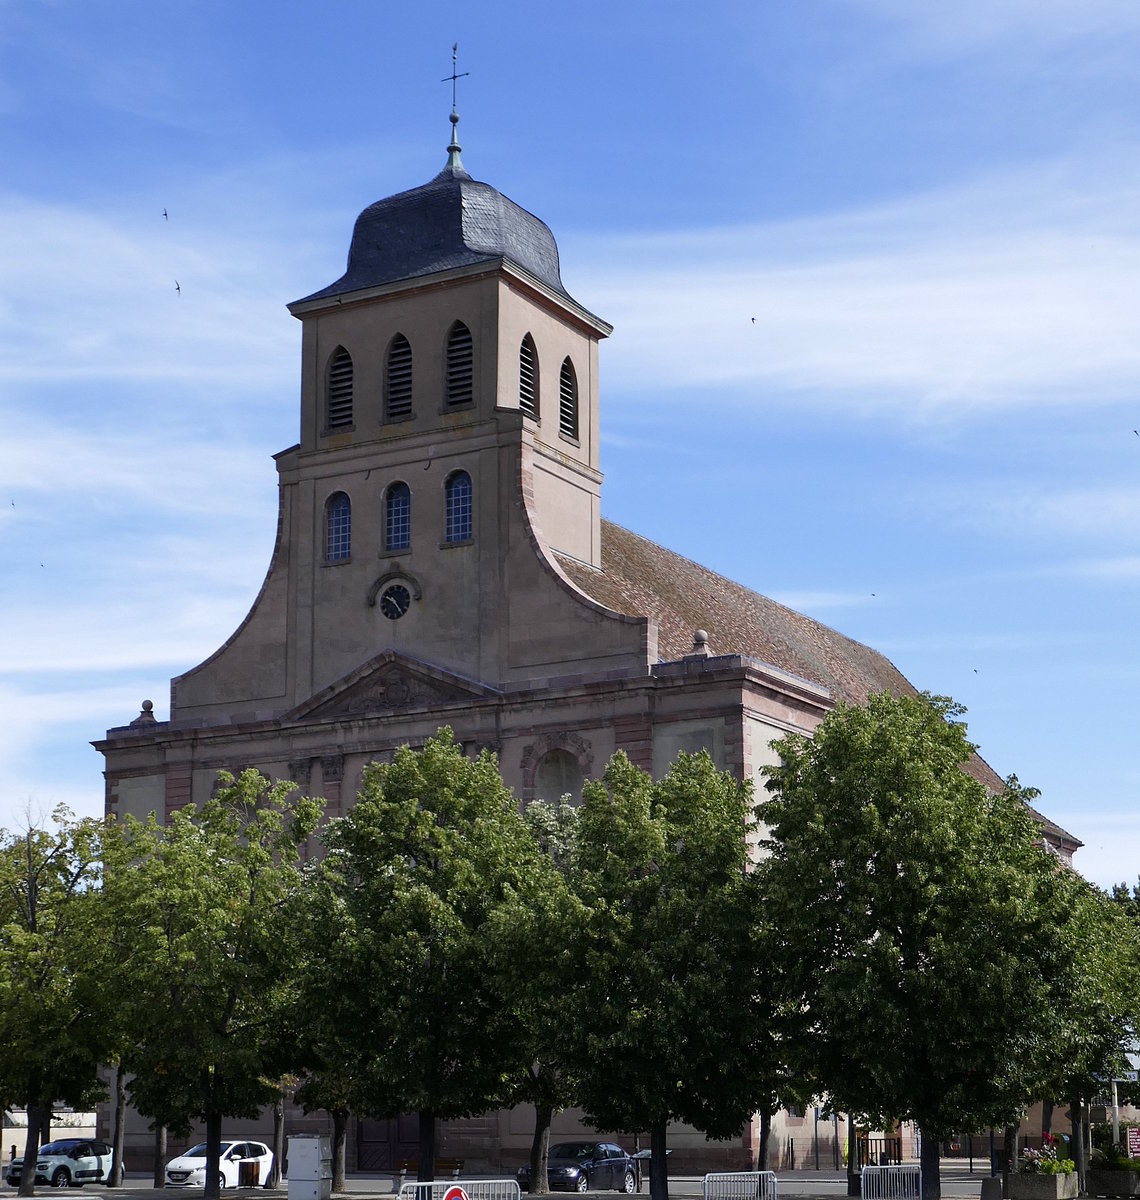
(931, 1176)
(159, 1170)
(1077, 1119)
(765, 1136)
(1046, 1118)
(278, 1147)
(853, 1188)
(38, 1120)
(426, 1172)
(339, 1141)
(540, 1148)
(1008, 1156)
(213, 1156)
(115, 1179)
(658, 1167)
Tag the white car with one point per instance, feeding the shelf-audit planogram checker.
(242, 1164)
(68, 1162)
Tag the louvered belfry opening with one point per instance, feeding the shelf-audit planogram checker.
(528, 378)
(398, 382)
(340, 390)
(460, 366)
(568, 400)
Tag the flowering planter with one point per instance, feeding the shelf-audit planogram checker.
(1042, 1187)
(1100, 1181)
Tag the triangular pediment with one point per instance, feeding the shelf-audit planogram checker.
(390, 682)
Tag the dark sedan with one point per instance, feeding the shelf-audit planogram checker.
(586, 1167)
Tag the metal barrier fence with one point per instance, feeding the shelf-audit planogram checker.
(474, 1189)
(739, 1185)
(891, 1183)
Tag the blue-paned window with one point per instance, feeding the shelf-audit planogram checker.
(338, 528)
(458, 523)
(398, 517)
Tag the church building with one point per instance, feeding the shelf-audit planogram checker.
(441, 559)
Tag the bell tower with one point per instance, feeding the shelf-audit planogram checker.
(448, 451)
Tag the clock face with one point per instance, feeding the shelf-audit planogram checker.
(394, 602)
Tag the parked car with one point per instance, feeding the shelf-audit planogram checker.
(242, 1164)
(68, 1162)
(586, 1167)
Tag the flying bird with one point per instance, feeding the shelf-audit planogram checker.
(177, 287)
(164, 216)
(753, 320)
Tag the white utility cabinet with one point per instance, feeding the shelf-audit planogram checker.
(310, 1167)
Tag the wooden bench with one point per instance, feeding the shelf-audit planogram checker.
(411, 1166)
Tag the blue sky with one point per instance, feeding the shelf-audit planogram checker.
(926, 438)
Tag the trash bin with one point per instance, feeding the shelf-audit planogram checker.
(249, 1173)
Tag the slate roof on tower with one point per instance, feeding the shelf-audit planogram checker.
(452, 221)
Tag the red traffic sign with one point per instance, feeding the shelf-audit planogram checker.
(455, 1192)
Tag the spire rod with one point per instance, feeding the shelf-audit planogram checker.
(454, 147)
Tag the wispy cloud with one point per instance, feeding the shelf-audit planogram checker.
(1014, 291)
(968, 26)
(93, 297)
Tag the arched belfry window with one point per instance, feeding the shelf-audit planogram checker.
(568, 400)
(338, 527)
(457, 508)
(398, 380)
(398, 517)
(338, 409)
(528, 378)
(460, 366)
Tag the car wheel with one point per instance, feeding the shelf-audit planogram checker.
(629, 1183)
(583, 1184)
(62, 1178)
(221, 1182)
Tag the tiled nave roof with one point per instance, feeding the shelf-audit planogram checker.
(640, 578)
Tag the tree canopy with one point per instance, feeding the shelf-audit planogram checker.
(206, 898)
(55, 1012)
(926, 930)
(426, 880)
(669, 1018)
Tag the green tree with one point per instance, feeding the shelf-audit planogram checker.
(670, 1017)
(924, 928)
(53, 944)
(1095, 1007)
(205, 897)
(545, 970)
(425, 879)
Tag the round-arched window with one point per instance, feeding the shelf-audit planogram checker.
(558, 774)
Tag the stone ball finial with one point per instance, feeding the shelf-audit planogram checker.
(148, 706)
(700, 638)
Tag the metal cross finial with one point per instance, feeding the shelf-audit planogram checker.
(453, 76)
(454, 148)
